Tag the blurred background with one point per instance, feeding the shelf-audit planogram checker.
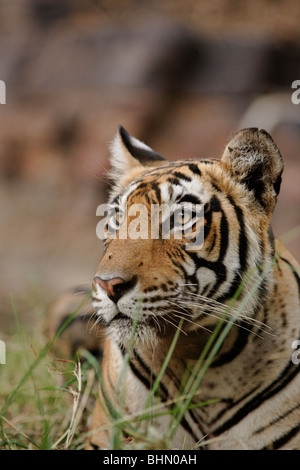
(182, 76)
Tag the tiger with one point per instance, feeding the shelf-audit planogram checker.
(202, 335)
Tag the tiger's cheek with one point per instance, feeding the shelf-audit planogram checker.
(161, 269)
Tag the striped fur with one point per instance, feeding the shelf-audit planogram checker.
(252, 379)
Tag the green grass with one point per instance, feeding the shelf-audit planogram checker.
(42, 397)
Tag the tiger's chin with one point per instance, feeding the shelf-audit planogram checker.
(124, 331)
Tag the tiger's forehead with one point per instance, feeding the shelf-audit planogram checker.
(183, 169)
(165, 183)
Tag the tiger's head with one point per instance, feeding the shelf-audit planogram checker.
(154, 283)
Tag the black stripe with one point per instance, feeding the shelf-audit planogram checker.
(214, 204)
(243, 242)
(277, 419)
(94, 446)
(181, 176)
(232, 404)
(174, 181)
(194, 169)
(243, 253)
(135, 371)
(293, 269)
(190, 198)
(224, 232)
(238, 346)
(122, 349)
(254, 182)
(188, 428)
(218, 266)
(276, 386)
(271, 240)
(209, 162)
(278, 443)
(141, 377)
(152, 377)
(180, 267)
(207, 226)
(156, 189)
(142, 185)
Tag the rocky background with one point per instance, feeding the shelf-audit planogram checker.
(182, 76)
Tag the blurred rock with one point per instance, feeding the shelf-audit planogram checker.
(235, 65)
(47, 12)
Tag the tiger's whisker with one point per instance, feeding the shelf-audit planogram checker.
(219, 314)
(229, 310)
(173, 324)
(193, 323)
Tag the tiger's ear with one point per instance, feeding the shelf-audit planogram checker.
(254, 160)
(129, 153)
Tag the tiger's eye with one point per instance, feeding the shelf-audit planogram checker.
(183, 217)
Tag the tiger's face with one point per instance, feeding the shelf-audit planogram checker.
(217, 214)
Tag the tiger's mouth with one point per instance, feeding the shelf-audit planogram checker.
(122, 320)
(124, 330)
(119, 320)
(120, 316)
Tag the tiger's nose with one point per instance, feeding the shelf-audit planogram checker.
(115, 287)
